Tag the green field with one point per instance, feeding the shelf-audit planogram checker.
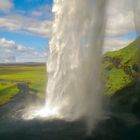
(34, 75)
(7, 91)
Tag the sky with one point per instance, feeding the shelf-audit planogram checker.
(25, 28)
(120, 27)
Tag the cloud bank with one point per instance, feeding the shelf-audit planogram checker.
(6, 5)
(120, 22)
(26, 24)
(12, 52)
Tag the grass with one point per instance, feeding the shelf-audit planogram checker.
(117, 79)
(118, 66)
(34, 75)
(4, 85)
(7, 91)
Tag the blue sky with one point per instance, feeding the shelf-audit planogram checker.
(25, 23)
(131, 35)
(30, 5)
(25, 28)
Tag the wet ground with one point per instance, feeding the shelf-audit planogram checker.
(121, 125)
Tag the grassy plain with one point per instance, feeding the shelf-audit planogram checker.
(12, 75)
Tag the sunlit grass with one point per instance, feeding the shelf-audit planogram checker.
(7, 91)
(35, 76)
(118, 66)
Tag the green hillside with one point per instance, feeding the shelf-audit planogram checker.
(121, 68)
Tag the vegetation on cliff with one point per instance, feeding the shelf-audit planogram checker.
(121, 68)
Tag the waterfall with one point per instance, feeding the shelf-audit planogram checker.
(74, 87)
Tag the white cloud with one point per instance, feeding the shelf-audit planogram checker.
(120, 21)
(21, 48)
(18, 23)
(120, 24)
(7, 43)
(36, 13)
(10, 59)
(120, 18)
(5, 5)
(43, 11)
(12, 52)
(113, 44)
(33, 56)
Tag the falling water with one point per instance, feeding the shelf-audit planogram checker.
(74, 88)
